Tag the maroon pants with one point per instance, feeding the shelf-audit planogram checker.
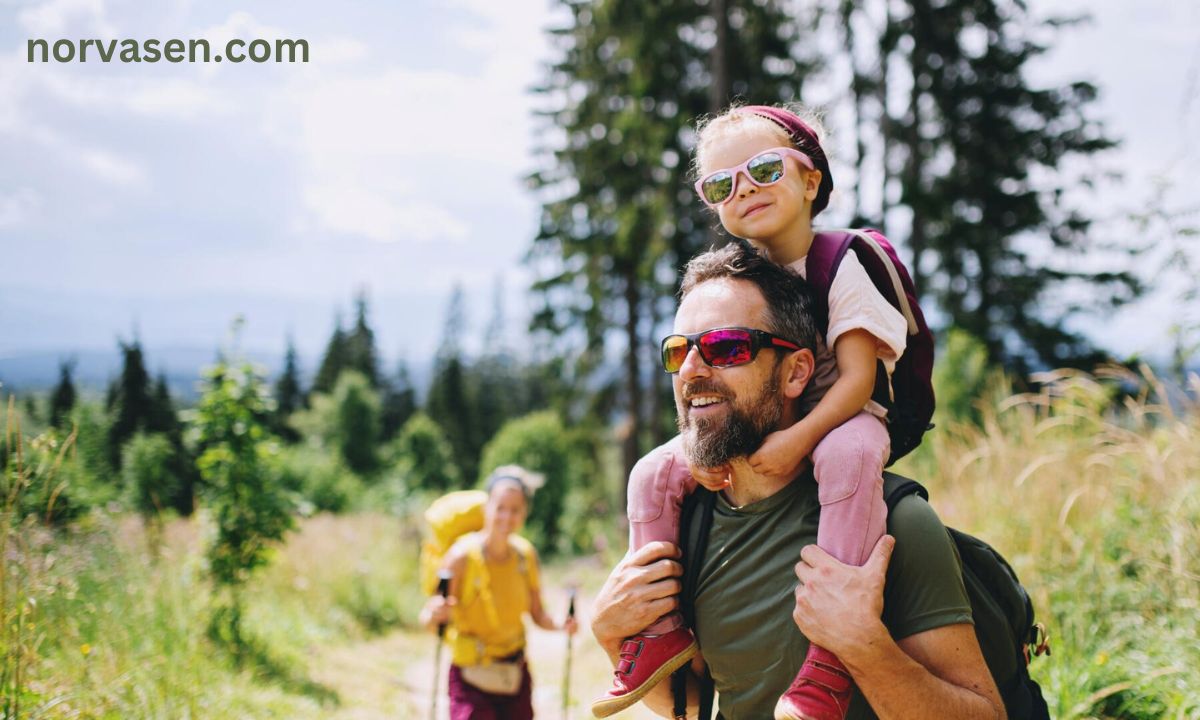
(468, 702)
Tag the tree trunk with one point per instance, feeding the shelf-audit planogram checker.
(631, 447)
(720, 87)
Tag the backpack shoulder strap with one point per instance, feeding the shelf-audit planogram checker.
(820, 266)
(897, 487)
(694, 526)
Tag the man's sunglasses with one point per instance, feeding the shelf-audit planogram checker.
(720, 347)
(765, 168)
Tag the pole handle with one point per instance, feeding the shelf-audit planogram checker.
(443, 589)
(571, 604)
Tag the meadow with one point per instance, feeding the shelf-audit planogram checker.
(1087, 486)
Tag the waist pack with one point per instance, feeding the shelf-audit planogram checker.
(1005, 626)
(499, 677)
(909, 400)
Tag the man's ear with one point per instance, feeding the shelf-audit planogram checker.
(798, 371)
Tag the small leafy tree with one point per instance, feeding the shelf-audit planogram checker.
(251, 508)
(147, 467)
(424, 458)
(539, 443)
(356, 427)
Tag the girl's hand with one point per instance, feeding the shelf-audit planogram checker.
(715, 479)
(781, 453)
(570, 625)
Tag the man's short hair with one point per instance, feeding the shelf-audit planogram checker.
(789, 298)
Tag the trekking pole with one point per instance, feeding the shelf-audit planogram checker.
(566, 691)
(443, 589)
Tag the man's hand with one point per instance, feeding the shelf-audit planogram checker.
(838, 606)
(715, 479)
(641, 589)
(781, 453)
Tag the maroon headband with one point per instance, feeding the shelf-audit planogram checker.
(806, 142)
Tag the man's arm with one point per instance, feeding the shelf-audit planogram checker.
(935, 673)
(641, 588)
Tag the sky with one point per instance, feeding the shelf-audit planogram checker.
(162, 200)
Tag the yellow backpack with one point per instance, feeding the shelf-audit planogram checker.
(449, 517)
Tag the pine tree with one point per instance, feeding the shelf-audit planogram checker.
(360, 344)
(619, 219)
(979, 156)
(451, 403)
(399, 402)
(289, 396)
(130, 402)
(334, 361)
(64, 395)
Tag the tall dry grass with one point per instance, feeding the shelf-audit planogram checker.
(1098, 507)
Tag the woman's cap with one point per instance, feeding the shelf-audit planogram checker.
(806, 141)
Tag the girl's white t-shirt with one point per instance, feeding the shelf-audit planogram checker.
(854, 304)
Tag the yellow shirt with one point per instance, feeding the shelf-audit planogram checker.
(489, 621)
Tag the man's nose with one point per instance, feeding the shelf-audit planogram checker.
(693, 365)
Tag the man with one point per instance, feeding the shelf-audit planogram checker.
(909, 646)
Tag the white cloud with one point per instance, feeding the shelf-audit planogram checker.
(111, 167)
(55, 18)
(17, 207)
(380, 216)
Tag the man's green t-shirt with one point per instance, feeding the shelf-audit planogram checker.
(745, 594)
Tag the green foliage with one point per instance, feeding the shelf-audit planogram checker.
(147, 466)
(320, 478)
(995, 236)
(399, 402)
(963, 379)
(361, 355)
(129, 401)
(423, 457)
(451, 400)
(289, 396)
(537, 442)
(357, 428)
(249, 507)
(62, 399)
(332, 362)
(345, 422)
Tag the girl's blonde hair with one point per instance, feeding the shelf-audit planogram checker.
(741, 118)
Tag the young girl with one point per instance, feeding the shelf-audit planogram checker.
(764, 172)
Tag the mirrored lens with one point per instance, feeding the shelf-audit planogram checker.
(722, 348)
(766, 168)
(674, 352)
(717, 187)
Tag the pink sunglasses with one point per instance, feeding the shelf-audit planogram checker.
(765, 168)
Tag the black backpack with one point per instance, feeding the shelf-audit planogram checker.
(1004, 621)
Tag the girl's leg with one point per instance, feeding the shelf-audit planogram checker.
(657, 486)
(848, 465)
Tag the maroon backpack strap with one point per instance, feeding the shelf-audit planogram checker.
(824, 257)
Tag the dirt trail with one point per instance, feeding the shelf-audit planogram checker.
(389, 677)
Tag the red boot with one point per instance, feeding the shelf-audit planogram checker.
(821, 690)
(645, 661)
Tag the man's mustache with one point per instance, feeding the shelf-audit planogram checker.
(704, 386)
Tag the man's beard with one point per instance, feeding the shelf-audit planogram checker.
(711, 443)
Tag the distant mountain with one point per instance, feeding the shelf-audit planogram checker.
(95, 369)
